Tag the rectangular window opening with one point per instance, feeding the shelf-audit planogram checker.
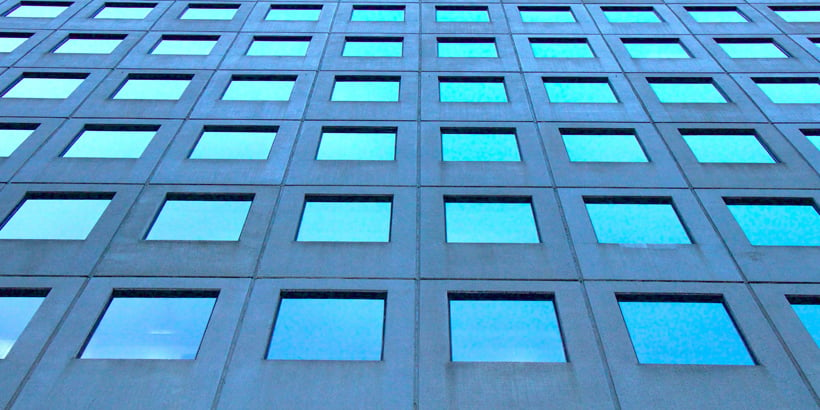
(636, 220)
(174, 44)
(357, 144)
(12, 135)
(579, 90)
(346, 218)
(201, 217)
(279, 46)
(234, 142)
(727, 146)
(777, 221)
(366, 88)
(472, 89)
(479, 144)
(356, 46)
(546, 14)
(55, 215)
(603, 145)
(120, 141)
(490, 219)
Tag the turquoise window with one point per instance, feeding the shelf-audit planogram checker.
(536, 14)
(490, 220)
(751, 48)
(279, 46)
(472, 89)
(209, 12)
(245, 143)
(89, 44)
(631, 15)
(200, 218)
(504, 328)
(603, 146)
(561, 48)
(716, 15)
(579, 90)
(306, 12)
(790, 90)
(366, 89)
(808, 311)
(795, 223)
(373, 47)
(259, 88)
(346, 219)
(338, 144)
(479, 145)
(10, 41)
(655, 48)
(798, 14)
(55, 218)
(125, 11)
(686, 90)
(45, 85)
(151, 325)
(139, 87)
(111, 142)
(626, 221)
(328, 326)
(464, 47)
(683, 332)
(185, 45)
(11, 136)
(377, 13)
(722, 147)
(35, 9)
(457, 14)
(18, 307)
(813, 136)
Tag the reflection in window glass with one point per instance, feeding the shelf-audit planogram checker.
(225, 143)
(31, 9)
(63, 219)
(138, 88)
(352, 219)
(778, 224)
(110, 143)
(373, 47)
(328, 327)
(345, 145)
(44, 86)
(798, 14)
(205, 219)
(457, 146)
(716, 15)
(579, 90)
(209, 12)
(813, 137)
(684, 333)
(658, 48)
(11, 138)
(561, 48)
(603, 148)
(279, 46)
(150, 327)
(454, 14)
(631, 15)
(185, 45)
(377, 13)
(498, 330)
(696, 91)
(546, 14)
(89, 44)
(365, 89)
(10, 41)
(727, 148)
(490, 222)
(17, 313)
(790, 90)
(259, 88)
(454, 47)
(475, 90)
(306, 12)
(636, 223)
(124, 11)
(809, 314)
(751, 48)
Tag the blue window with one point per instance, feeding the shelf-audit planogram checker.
(636, 221)
(489, 220)
(151, 324)
(751, 48)
(815, 40)
(683, 330)
(467, 47)
(472, 89)
(487, 144)
(185, 45)
(125, 11)
(504, 328)
(813, 136)
(592, 145)
(38, 9)
(55, 216)
(686, 90)
(153, 87)
(227, 142)
(89, 44)
(546, 14)
(723, 14)
(366, 89)
(357, 144)
(259, 88)
(808, 310)
(462, 14)
(579, 90)
(293, 12)
(191, 217)
(377, 13)
(791, 90)
(561, 48)
(346, 219)
(777, 222)
(279, 46)
(45, 85)
(631, 14)
(655, 48)
(12, 135)
(328, 326)
(196, 11)
(726, 146)
(373, 47)
(18, 307)
(111, 141)
(10, 41)
(798, 14)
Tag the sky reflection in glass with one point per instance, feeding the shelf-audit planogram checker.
(9, 43)
(10, 139)
(345, 221)
(199, 220)
(208, 13)
(46, 88)
(355, 48)
(124, 13)
(462, 16)
(357, 146)
(187, 47)
(778, 225)
(569, 49)
(57, 219)
(579, 92)
(475, 92)
(467, 49)
(151, 89)
(279, 48)
(365, 91)
(691, 93)
(627, 223)
(479, 147)
(17, 311)
(638, 16)
(490, 222)
(547, 16)
(110, 144)
(759, 49)
(603, 148)
(37, 11)
(728, 148)
(809, 314)
(791, 93)
(88, 46)
(717, 16)
(362, 14)
(656, 50)
(258, 90)
(233, 145)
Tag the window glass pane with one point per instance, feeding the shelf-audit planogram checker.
(151, 89)
(505, 331)
(279, 48)
(479, 147)
(467, 49)
(603, 148)
(10, 41)
(38, 10)
(752, 49)
(233, 145)
(168, 328)
(17, 312)
(35, 87)
(200, 220)
(308, 13)
(374, 14)
(67, 219)
(338, 221)
(656, 50)
(684, 333)
(717, 16)
(374, 91)
(88, 46)
(546, 16)
(807, 14)
(687, 93)
(636, 223)
(10, 139)
(188, 47)
(124, 12)
(369, 48)
(778, 225)
(791, 92)
(810, 316)
(728, 148)
(488, 222)
(328, 329)
(462, 16)
(558, 49)
(258, 90)
(357, 146)
(478, 92)
(579, 92)
(208, 13)
(814, 139)
(631, 16)
(110, 144)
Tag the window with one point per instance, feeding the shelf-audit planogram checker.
(815, 40)
(548, 14)
(61, 216)
(153, 87)
(373, 47)
(10, 41)
(357, 144)
(151, 324)
(602, 145)
(89, 44)
(45, 85)
(472, 89)
(462, 14)
(228, 142)
(777, 222)
(201, 217)
(279, 46)
(489, 220)
(293, 12)
(467, 47)
(579, 90)
(726, 146)
(479, 144)
(798, 14)
(561, 48)
(346, 219)
(504, 328)
(328, 326)
(18, 307)
(12, 135)
(185, 45)
(727, 14)
(631, 14)
(791, 90)
(39, 9)
(125, 11)
(686, 90)
(111, 141)
(671, 329)
(808, 310)
(655, 48)
(751, 48)
(260, 88)
(377, 13)
(636, 221)
(813, 136)
(209, 12)
(366, 89)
